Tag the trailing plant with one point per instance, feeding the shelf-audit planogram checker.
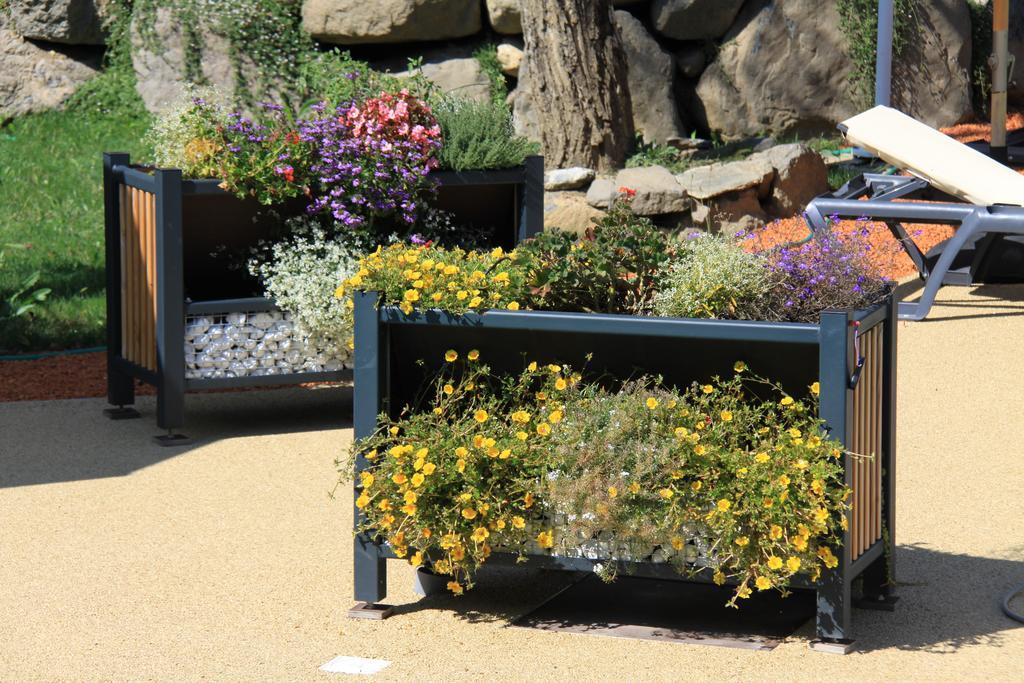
(487, 56)
(299, 273)
(615, 267)
(478, 135)
(544, 461)
(858, 20)
(188, 134)
(713, 277)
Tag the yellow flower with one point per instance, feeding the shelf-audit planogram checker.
(677, 543)
(384, 505)
(696, 486)
(680, 432)
(497, 253)
(554, 369)
(520, 416)
(740, 366)
(613, 491)
(816, 388)
(417, 479)
(793, 564)
(405, 307)
(634, 488)
(794, 432)
(410, 496)
(429, 468)
(479, 534)
(821, 515)
(461, 294)
(417, 559)
(451, 355)
(762, 457)
(475, 302)
(543, 429)
(652, 403)
(666, 493)
(719, 577)
(799, 542)
(555, 417)
(707, 389)
(340, 291)
(699, 449)
(518, 522)
(455, 587)
(362, 501)
(786, 401)
(726, 416)
(522, 436)
(469, 513)
(742, 541)
(399, 478)
(560, 384)
(367, 479)
(460, 465)
(473, 354)
(762, 583)
(775, 532)
(411, 295)
(499, 524)
(513, 306)
(743, 592)
(449, 389)
(409, 509)
(784, 480)
(532, 367)
(480, 416)
(818, 486)
(724, 505)
(528, 500)
(774, 562)
(545, 539)
(769, 502)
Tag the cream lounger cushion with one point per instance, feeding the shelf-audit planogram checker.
(947, 164)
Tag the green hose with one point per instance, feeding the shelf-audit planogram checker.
(51, 354)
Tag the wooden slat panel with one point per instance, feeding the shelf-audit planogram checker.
(123, 190)
(150, 281)
(879, 361)
(133, 260)
(866, 441)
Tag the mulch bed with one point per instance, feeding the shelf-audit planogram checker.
(78, 376)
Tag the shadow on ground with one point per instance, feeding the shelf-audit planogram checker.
(948, 601)
(43, 442)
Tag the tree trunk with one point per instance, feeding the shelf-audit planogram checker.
(577, 83)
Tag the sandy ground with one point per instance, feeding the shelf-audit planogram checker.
(226, 560)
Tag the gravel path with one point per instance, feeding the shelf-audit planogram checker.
(227, 561)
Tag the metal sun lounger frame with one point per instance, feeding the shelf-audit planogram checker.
(973, 223)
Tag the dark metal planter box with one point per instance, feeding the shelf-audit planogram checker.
(162, 233)
(851, 353)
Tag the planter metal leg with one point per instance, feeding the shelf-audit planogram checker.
(833, 619)
(371, 581)
(120, 393)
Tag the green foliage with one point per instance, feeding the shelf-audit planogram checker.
(614, 268)
(858, 20)
(336, 78)
(653, 154)
(711, 277)
(478, 135)
(487, 55)
(981, 50)
(51, 198)
(24, 298)
(185, 135)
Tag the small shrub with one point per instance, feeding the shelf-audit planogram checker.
(615, 267)
(187, 134)
(335, 79)
(478, 135)
(713, 277)
(487, 56)
(301, 273)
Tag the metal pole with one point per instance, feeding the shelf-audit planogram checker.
(883, 62)
(1000, 76)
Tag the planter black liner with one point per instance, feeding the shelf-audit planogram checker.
(162, 232)
(851, 353)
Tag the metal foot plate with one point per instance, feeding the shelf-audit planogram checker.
(879, 603)
(172, 440)
(365, 610)
(833, 647)
(121, 413)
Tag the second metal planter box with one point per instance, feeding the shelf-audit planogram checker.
(851, 353)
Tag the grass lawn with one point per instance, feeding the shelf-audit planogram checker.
(51, 198)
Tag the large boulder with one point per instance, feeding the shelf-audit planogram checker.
(158, 56)
(694, 19)
(714, 180)
(651, 73)
(657, 191)
(569, 211)
(456, 74)
(34, 79)
(784, 67)
(800, 176)
(568, 178)
(353, 22)
(74, 22)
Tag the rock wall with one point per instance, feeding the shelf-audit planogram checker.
(732, 67)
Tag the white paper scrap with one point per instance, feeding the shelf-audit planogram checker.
(355, 665)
